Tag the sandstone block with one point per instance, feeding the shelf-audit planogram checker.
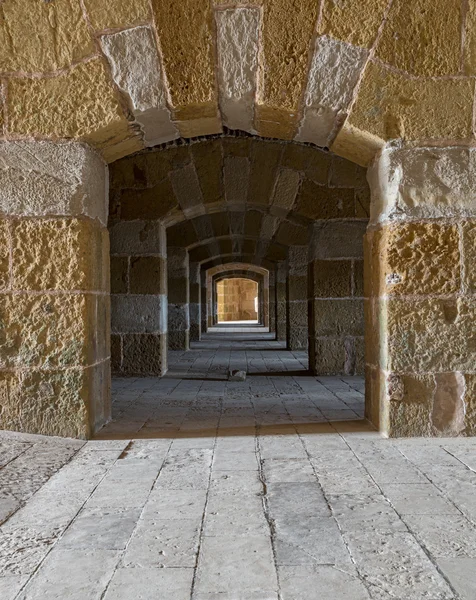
(108, 14)
(469, 254)
(149, 204)
(327, 356)
(297, 287)
(265, 157)
(52, 178)
(178, 340)
(48, 330)
(138, 314)
(116, 354)
(119, 274)
(59, 254)
(313, 162)
(431, 335)
(318, 202)
(178, 317)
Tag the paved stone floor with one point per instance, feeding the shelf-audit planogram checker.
(204, 489)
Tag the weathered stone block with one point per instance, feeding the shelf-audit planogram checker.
(421, 258)
(297, 286)
(265, 157)
(331, 278)
(116, 354)
(327, 356)
(108, 14)
(46, 402)
(469, 255)
(338, 317)
(119, 274)
(358, 275)
(320, 202)
(178, 340)
(297, 314)
(138, 314)
(48, 330)
(148, 204)
(148, 275)
(434, 335)
(144, 354)
(43, 178)
(178, 317)
(59, 254)
(313, 162)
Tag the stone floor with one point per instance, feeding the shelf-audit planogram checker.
(268, 489)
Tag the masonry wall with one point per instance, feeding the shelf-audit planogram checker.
(236, 300)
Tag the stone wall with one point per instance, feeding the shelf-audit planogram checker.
(336, 298)
(138, 298)
(236, 300)
(54, 289)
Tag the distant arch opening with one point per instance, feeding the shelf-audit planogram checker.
(237, 300)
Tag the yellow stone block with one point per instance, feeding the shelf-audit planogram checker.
(37, 37)
(4, 254)
(358, 146)
(185, 31)
(346, 21)
(469, 255)
(275, 122)
(469, 49)
(52, 331)
(106, 14)
(80, 103)
(59, 254)
(391, 106)
(423, 38)
(418, 258)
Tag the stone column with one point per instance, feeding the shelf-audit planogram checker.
(297, 322)
(178, 296)
(194, 304)
(336, 303)
(281, 303)
(203, 301)
(139, 298)
(54, 289)
(272, 300)
(420, 284)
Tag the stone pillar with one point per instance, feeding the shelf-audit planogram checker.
(178, 296)
(54, 289)
(297, 322)
(420, 286)
(272, 301)
(281, 303)
(203, 301)
(194, 304)
(138, 298)
(336, 303)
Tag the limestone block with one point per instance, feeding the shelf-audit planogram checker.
(45, 402)
(79, 103)
(347, 174)
(358, 278)
(334, 72)
(265, 158)
(135, 67)
(47, 330)
(298, 287)
(391, 105)
(138, 237)
(97, 395)
(408, 420)
(337, 317)
(357, 145)
(178, 290)
(144, 354)
(108, 14)
(186, 187)
(297, 260)
(469, 255)
(331, 279)
(59, 254)
(337, 239)
(41, 37)
(297, 315)
(40, 178)
(5, 242)
(297, 338)
(469, 50)
(423, 183)
(236, 177)
(116, 354)
(148, 275)
(417, 258)
(449, 409)
(343, 20)
(138, 314)
(238, 49)
(436, 25)
(178, 340)
(430, 335)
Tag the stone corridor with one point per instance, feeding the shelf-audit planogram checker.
(270, 489)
